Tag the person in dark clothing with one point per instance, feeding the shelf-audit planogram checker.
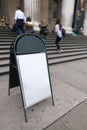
(58, 31)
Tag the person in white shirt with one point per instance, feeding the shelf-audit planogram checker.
(58, 31)
(20, 19)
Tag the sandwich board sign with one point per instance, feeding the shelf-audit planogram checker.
(29, 69)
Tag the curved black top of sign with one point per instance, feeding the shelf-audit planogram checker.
(26, 43)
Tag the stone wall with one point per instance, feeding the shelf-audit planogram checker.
(8, 8)
(44, 9)
(12, 4)
(51, 21)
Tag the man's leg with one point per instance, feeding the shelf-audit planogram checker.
(57, 42)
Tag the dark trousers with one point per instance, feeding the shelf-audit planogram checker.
(20, 24)
(57, 42)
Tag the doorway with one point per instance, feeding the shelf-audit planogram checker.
(74, 14)
(57, 9)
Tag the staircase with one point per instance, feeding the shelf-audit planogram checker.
(73, 48)
(6, 38)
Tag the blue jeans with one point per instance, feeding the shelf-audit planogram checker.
(20, 24)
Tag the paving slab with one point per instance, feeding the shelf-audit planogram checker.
(73, 73)
(66, 97)
(74, 120)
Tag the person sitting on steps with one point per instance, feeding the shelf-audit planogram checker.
(29, 25)
(43, 29)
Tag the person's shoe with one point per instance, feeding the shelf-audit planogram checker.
(59, 50)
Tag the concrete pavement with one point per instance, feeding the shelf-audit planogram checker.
(76, 119)
(69, 83)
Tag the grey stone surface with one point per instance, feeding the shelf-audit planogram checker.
(67, 85)
(74, 73)
(74, 120)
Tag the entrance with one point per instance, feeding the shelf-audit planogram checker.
(56, 9)
(74, 13)
(79, 14)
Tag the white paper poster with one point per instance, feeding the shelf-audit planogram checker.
(34, 78)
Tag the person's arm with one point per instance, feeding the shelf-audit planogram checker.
(15, 18)
(56, 29)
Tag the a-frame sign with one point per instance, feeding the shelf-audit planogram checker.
(29, 70)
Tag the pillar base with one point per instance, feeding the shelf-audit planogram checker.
(85, 33)
(69, 30)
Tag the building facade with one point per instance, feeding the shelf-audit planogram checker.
(51, 10)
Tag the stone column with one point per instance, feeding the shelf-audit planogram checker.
(32, 9)
(67, 14)
(85, 22)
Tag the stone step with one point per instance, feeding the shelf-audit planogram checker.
(4, 51)
(67, 39)
(7, 31)
(6, 40)
(67, 36)
(66, 51)
(72, 40)
(50, 47)
(4, 66)
(4, 58)
(7, 37)
(67, 42)
(66, 59)
(5, 55)
(4, 43)
(60, 55)
(82, 37)
(4, 48)
(63, 44)
(73, 48)
(66, 48)
(4, 70)
(4, 62)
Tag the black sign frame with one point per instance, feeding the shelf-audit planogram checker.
(17, 48)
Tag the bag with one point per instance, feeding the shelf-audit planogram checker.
(45, 31)
(63, 32)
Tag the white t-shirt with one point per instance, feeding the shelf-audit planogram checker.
(58, 31)
(20, 15)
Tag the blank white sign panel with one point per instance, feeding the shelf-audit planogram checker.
(34, 77)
